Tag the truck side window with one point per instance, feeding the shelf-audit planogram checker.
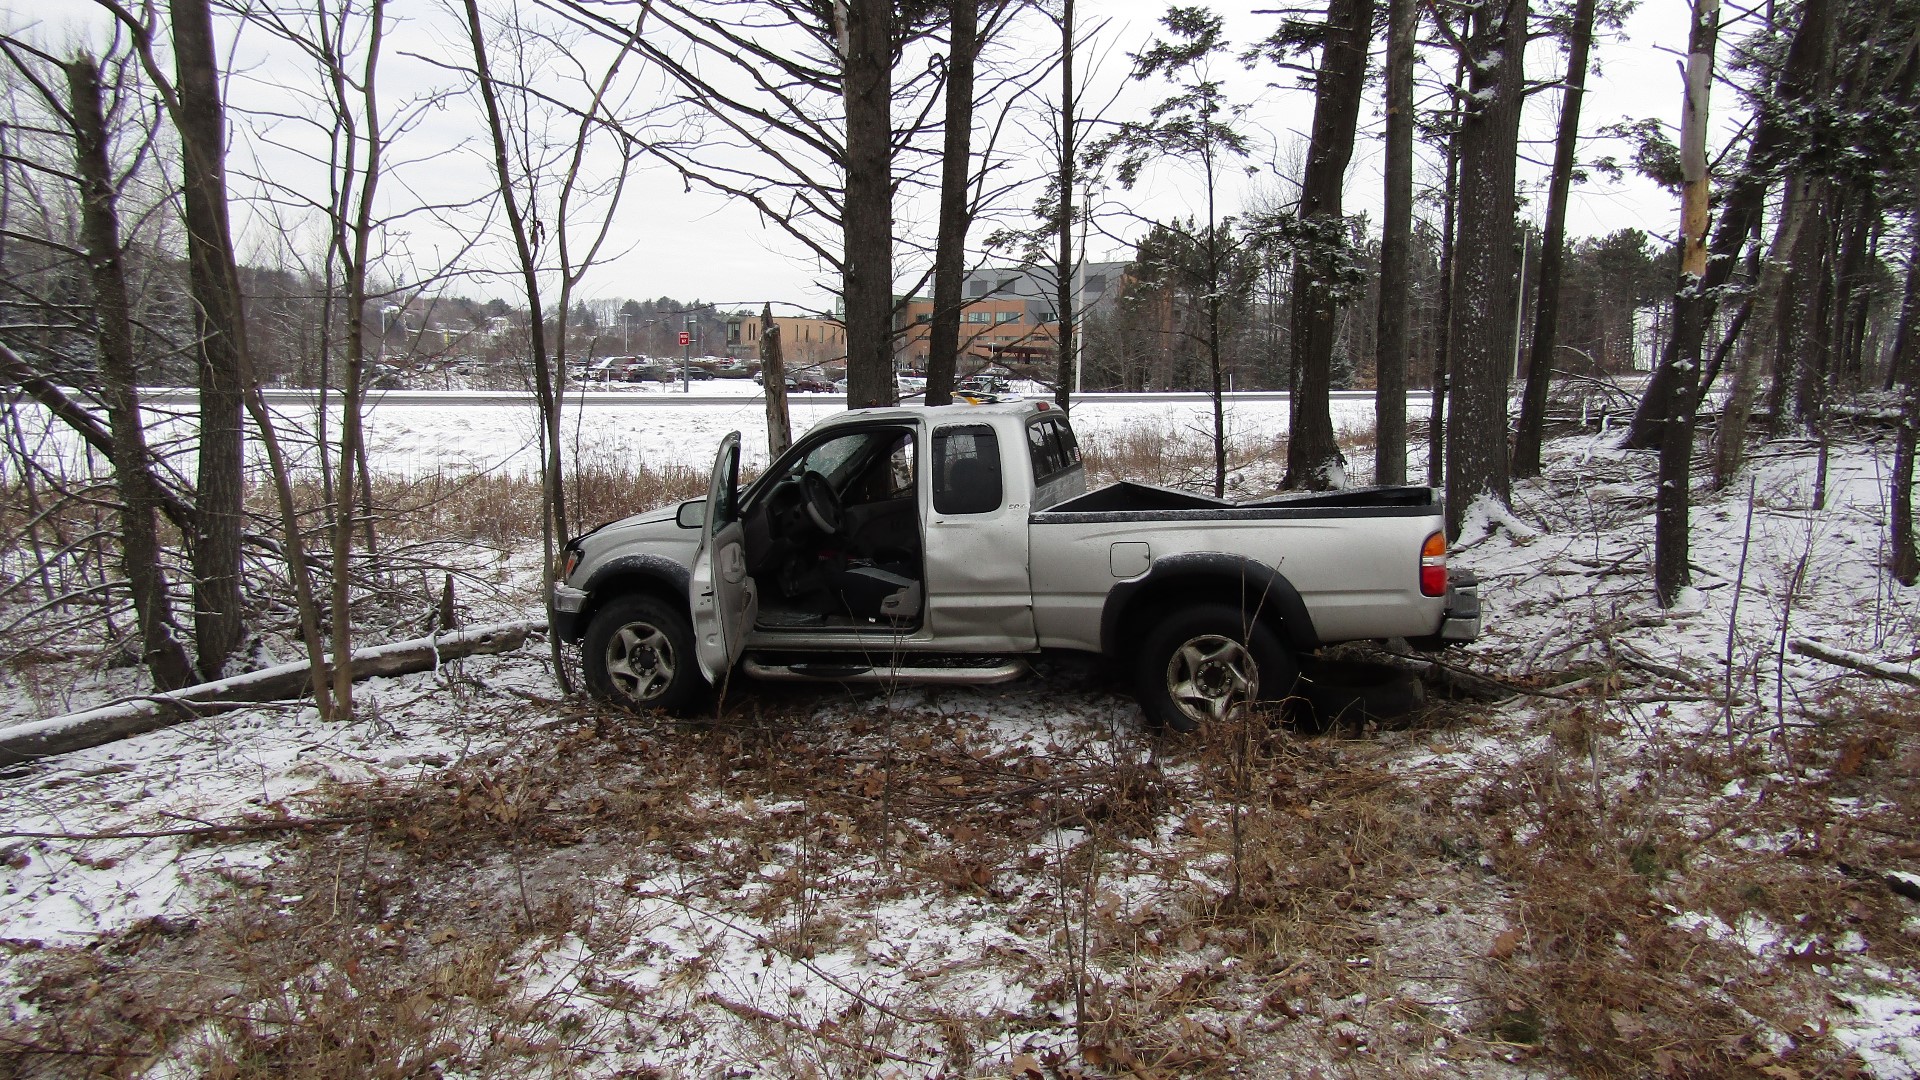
(1053, 447)
(1069, 446)
(1045, 453)
(966, 470)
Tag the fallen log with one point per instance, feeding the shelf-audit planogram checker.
(1866, 665)
(77, 731)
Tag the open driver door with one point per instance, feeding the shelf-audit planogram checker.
(722, 597)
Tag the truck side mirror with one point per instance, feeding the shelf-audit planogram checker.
(692, 515)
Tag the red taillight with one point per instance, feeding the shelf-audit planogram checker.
(1433, 566)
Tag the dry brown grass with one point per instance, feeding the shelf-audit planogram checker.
(1661, 929)
(1202, 906)
(410, 932)
(501, 510)
(1169, 458)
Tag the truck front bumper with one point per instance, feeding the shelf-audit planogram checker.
(1461, 622)
(568, 602)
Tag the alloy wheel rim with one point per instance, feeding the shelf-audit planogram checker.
(1212, 678)
(640, 661)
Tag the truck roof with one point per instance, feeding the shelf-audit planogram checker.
(1002, 406)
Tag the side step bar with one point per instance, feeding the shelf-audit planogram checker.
(852, 671)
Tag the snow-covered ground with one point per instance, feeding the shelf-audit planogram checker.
(416, 433)
(1661, 848)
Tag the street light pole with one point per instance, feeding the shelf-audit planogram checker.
(686, 356)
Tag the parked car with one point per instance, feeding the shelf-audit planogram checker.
(948, 544)
(980, 384)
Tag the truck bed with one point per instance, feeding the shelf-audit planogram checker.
(1130, 501)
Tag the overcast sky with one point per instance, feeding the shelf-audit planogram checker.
(668, 241)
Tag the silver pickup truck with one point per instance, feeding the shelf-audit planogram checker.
(944, 544)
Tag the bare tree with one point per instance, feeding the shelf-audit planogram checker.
(866, 218)
(220, 322)
(227, 380)
(1533, 401)
(1481, 333)
(1905, 563)
(1067, 142)
(84, 112)
(1196, 124)
(1771, 303)
(1777, 138)
(568, 240)
(1395, 313)
(949, 260)
(1322, 279)
(1048, 248)
(1674, 492)
(798, 101)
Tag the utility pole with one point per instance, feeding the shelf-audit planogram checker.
(686, 348)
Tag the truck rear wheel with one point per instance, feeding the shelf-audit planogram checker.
(638, 652)
(1206, 664)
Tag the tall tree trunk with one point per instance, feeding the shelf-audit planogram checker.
(353, 227)
(1906, 365)
(1449, 237)
(1796, 307)
(1546, 323)
(1216, 285)
(1673, 496)
(1481, 337)
(1815, 359)
(773, 376)
(1849, 278)
(867, 216)
(1767, 299)
(1313, 456)
(546, 398)
(1396, 234)
(1067, 306)
(950, 247)
(1745, 199)
(160, 651)
(220, 333)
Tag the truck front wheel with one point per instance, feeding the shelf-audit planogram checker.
(638, 652)
(1209, 664)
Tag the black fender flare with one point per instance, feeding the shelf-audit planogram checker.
(1276, 599)
(655, 574)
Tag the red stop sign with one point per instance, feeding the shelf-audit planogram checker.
(686, 338)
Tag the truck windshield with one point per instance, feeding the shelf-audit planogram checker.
(830, 458)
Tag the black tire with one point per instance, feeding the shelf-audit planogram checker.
(1211, 652)
(1354, 693)
(638, 653)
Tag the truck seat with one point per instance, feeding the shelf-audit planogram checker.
(870, 592)
(972, 487)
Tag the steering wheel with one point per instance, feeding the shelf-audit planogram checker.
(823, 507)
